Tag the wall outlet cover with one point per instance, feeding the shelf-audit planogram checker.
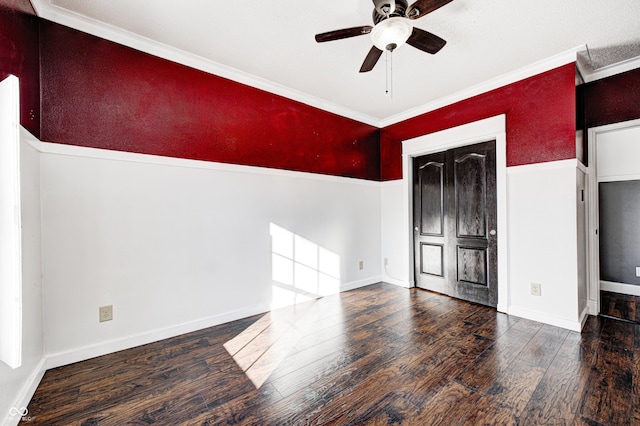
(106, 313)
(536, 289)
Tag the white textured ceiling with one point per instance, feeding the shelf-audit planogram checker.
(271, 44)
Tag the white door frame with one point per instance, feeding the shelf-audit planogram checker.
(593, 239)
(467, 134)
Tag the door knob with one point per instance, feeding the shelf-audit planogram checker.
(416, 229)
(492, 232)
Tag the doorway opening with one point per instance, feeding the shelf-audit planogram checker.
(614, 232)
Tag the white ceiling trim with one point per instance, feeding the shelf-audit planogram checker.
(608, 71)
(564, 58)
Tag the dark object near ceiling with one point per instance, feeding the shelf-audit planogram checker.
(393, 27)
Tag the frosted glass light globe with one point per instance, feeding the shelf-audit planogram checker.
(391, 33)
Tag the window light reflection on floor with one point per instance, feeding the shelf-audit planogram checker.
(301, 272)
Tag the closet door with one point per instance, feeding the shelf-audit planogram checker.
(455, 223)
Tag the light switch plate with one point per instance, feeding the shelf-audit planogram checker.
(637, 271)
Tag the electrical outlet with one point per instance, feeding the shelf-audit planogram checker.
(361, 265)
(106, 313)
(536, 289)
(637, 271)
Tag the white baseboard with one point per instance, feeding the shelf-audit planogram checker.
(622, 288)
(584, 315)
(26, 393)
(400, 283)
(546, 318)
(92, 351)
(362, 283)
(104, 348)
(592, 307)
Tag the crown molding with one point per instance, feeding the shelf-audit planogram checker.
(531, 70)
(46, 10)
(590, 75)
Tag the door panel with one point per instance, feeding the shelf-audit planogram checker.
(472, 265)
(429, 188)
(470, 192)
(431, 177)
(431, 259)
(455, 220)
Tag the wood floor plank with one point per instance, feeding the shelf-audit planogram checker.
(608, 399)
(542, 348)
(451, 404)
(559, 394)
(377, 355)
(480, 375)
(618, 333)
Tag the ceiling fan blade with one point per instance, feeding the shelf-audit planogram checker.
(422, 7)
(371, 60)
(425, 41)
(343, 33)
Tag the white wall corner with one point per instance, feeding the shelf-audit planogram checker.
(543, 240)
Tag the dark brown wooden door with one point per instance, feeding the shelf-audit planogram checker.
(455, 223)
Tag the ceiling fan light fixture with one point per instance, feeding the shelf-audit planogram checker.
(391, 33)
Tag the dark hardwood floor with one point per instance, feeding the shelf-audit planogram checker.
(377, 355)
(623, 306)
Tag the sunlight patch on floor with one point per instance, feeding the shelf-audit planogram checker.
(302, 271)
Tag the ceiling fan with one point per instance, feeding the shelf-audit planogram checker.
(392, 28)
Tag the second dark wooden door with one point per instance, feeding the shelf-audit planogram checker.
(455, 223)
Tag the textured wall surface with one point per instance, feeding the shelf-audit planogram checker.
(19, 56)
(612, 100)
(541, 115)
(100, 94)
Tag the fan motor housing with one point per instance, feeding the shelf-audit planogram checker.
(400, 10)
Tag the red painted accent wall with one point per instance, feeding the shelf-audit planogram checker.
(100, 94)
(541, 121)
(19, 55)
(612, 100)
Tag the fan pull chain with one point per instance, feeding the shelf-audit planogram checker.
(389, 73)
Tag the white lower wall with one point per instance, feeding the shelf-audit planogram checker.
(17, 386)
(394, 237)
(543, 242)
(176, 245)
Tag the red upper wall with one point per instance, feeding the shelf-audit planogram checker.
(100, 94)
(541, 121)
(612, 100)
(19, 56)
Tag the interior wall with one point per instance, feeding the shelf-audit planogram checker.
(610, 100)
(543, 238)
(18, 385)
(19, 55)
(582, 198)
(100, 94)
(394, 237)
(540, 112)
(175, 245)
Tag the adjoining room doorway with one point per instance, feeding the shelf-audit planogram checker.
(614, 231)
